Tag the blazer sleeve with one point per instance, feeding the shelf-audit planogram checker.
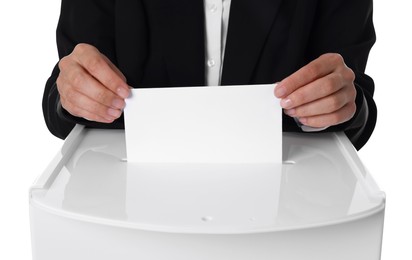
(346, 27)
(81, 21)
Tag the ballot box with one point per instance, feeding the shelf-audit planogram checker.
(319, 203)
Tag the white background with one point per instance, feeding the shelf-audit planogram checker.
(28, 54)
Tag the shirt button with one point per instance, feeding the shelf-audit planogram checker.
(211, 63)
(213, 8)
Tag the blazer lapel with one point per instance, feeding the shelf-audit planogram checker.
(249, 25)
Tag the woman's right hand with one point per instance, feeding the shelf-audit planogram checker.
(90, 86)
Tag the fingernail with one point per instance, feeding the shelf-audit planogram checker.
(286, 103)
(123, 92)
(114, 112)
(280, 91)
(118, 103)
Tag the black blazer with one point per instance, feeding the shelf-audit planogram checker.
(160, 43)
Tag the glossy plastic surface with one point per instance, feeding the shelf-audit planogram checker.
(321, 182)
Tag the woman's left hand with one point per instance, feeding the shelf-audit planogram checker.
(320, 94)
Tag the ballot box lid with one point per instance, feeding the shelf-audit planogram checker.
(321, 182)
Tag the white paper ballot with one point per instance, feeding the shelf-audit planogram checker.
(224, 124)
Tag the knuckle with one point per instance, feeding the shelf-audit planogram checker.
(93, 64)
(326, 56)
(79, 47)
(113, 82)
(298, 98)
(349, 94)
(77, 80)
(328, 86)
(61, 87)
(59, 84)
(336, 58)
(344, 114)
(314, 70)
(352, 93)
(63, 63)
(352, 109)
(82, 48)
(349, 74)
(102, 96)
(64, 103)
(335, 103)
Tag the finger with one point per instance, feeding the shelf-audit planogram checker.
(96, 64)
(325, 120)
(78, 79)
(85, 114)
(318, 68)
(114, 68)
(326, 105)
(93, 89)
(315, 90)
(82, 106)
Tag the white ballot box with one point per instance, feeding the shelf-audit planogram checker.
(320, 203)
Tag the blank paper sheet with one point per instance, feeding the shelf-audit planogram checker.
(222, 124)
